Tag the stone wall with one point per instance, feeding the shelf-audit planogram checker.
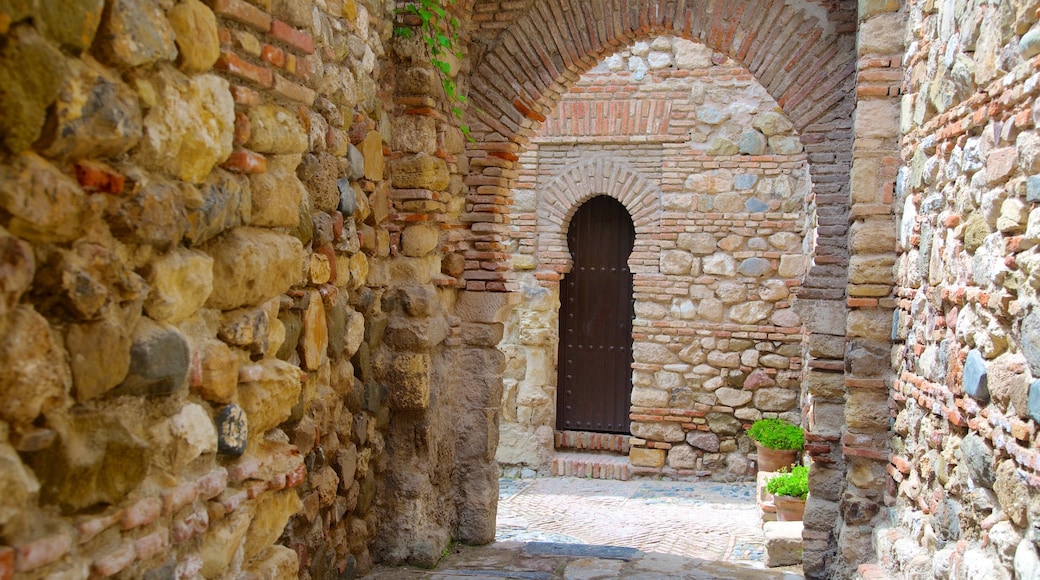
(964, 462)
(225, 336)
(718, 186)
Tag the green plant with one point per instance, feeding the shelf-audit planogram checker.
(793, 483)
(439, 29)
(777, 434)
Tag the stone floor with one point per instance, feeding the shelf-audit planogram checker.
(571, 528)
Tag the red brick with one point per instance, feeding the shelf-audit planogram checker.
(242, 129)
(296, 38)
(6, 563)
(235, 65)
(244, 12)
(97, 176)
(293, 91)
(245, 161)
(245, 96)
(273, 55)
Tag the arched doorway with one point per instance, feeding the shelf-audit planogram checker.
(596, 311)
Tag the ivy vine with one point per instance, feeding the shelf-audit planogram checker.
(439, 29)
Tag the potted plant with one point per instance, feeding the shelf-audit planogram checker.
(778, 443)
(789, 489)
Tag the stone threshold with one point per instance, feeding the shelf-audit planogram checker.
(588, 441)
(592, 465)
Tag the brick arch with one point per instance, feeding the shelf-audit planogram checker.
(561, 198)
(802, 53)
(801, 61)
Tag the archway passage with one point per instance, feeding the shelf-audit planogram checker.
(595, 376)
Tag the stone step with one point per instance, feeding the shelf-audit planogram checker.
(783, 543)
(592, 465)
(587, 441)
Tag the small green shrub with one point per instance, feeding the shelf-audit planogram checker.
(777, 434)
(794, 483)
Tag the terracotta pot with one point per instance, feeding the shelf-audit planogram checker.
(788, 508)
(774, 459)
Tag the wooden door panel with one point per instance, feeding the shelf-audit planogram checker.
(595, 362)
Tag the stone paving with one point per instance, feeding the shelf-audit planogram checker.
(572, 528)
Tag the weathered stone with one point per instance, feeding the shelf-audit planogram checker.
(223, 201)
(18, 483)
(682, 457)
(772, 123)
(86, 281)
(32, 70)
(314, 341)
(100, 460)
(691, 55)
(225, 540)
(17, 268)
(246, 328)
(698, 244)
(159, 361)
(723, 423)
(658, 431)
(34, 375)
(978, 458)
(1031, 341)
(277, 193)
(194, 429)
(71, 24)
(419, 240)
(722, 146)
(755, 267)
(783, 543)
(155, 215)
(195, 29)
(775, 399)
(45, 205)
(733, 397)
(274, 129)
(975, 377)
(750, 312)
(252, 266)
(181, 282)
(232, 430)
(320, 173)
(273, 511)
(407, 379)
(268, 402)
(219, 372)
(95, 114)
(705, 441)
(751, 143)
(643, 457)
(190, 127)
(99, 355)
(419, 171)
(719, 264)
(676, 262)
(1012, 493)
(782, 145)
(136, 33)
(372, 151)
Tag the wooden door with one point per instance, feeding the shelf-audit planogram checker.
(594, 380)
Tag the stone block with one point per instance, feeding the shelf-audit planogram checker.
(772, 123)
(232, 426)
(975, 377)
(99, 355)
(181, 282)
(372, 152)
(44, 204)
(219, 372)
(222, 202)
(195, 29)
(275, 129)
(32, 70)
(407, 380)
(419, 240)
(420, 171)
(135, 33)
(277, 193)
(159, 361)
(268, 402)
(33, 375)
(251, 266)
(100, 459)
(643, 457)
(314, 339)
(190, 128)
(783, 543)
(95, 115)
